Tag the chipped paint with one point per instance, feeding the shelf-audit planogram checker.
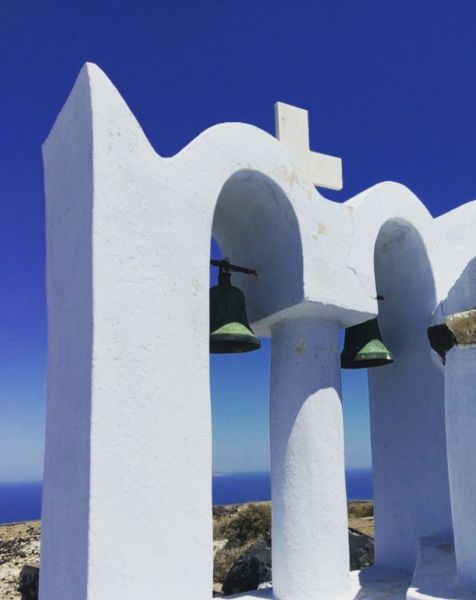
(300, 347)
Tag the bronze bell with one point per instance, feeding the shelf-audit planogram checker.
(230, 331)
(364, 348)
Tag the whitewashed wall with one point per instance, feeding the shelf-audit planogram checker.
(127, 486)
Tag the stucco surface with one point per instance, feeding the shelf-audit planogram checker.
(310, 547)
(374, 588)
(407, 403)
(435, 574)
(461, 428)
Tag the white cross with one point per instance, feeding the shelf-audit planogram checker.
(292, 129)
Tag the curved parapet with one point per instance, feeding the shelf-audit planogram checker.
(240, 167)
(387, 203)
(273, 203)
(459, 227)
(275, 200)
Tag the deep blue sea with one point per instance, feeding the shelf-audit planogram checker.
(249, 487)
(22, 501)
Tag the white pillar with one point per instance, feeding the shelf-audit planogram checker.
(310, 538)
(460, 397)
(127, 505)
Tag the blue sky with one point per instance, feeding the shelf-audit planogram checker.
(390, 87)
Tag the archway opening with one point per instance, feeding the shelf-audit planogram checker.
(358, 465)
(409, 466)
(405, 409)
(254, 226)
(239, 386)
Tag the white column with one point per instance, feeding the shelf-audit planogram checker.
(310, 538)
(127, 505)
(460, 398)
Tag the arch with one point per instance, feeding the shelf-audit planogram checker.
(255, 225)
(411, 489)
(404, 276)
(387, 203)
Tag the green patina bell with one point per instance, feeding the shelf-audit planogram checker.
(230, 331)
(363, 347)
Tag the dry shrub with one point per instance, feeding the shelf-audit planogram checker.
(221, 526)
(360, 509)
(248, 525)
(241, 526)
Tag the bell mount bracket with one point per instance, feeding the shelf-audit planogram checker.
(226, 267)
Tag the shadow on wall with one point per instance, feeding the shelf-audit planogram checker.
(411, 489)
(404, 277)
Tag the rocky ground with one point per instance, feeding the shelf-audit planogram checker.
(242, 549)
(19, 547)
(242, 544)
(361, 516)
